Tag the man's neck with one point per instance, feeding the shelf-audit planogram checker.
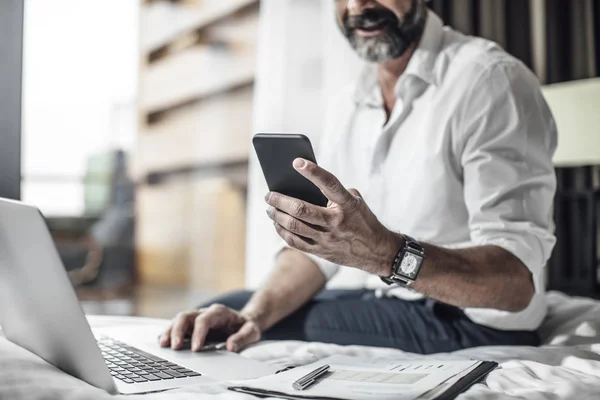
(388, 74)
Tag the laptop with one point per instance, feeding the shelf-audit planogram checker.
(39, 311)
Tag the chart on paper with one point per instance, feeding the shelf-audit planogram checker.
(376, 377)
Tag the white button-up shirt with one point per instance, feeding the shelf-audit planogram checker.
(464, 160)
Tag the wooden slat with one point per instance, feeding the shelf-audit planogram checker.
(162, 236)
(217, 251)
(198, 66)
(236, 171)
(202, 70)
(241, 29)
(194, 74)
(215, 130)
(191, 234)
(163, 22)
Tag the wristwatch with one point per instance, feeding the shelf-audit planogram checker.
(407, 263)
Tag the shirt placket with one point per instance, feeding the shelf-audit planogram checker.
(381, 148)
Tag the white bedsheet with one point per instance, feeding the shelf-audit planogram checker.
(566, 367)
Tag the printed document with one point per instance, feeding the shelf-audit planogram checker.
(355, 379)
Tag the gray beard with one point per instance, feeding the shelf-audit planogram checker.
(377, 50)
(388, 45)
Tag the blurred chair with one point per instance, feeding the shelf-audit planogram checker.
(98, 247)
(574, 265)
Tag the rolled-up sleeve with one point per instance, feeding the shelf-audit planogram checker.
(506, 158)
(328, 269)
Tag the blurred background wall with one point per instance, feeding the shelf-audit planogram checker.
(198, 67)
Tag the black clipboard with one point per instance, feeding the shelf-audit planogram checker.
(472, 378)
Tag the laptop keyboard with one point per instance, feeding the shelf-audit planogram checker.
(131, 365)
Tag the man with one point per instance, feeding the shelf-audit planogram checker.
(450, 141)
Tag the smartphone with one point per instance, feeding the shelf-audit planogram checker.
(276, 154)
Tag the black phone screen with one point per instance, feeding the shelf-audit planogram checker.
(276, 153)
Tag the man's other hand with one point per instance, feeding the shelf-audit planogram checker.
(241, 331)
(346, 232)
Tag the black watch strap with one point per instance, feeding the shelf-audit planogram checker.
(410, 245)
(396, 280)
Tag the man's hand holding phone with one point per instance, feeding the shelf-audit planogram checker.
(346, 232)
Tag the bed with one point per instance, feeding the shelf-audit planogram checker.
(567, 366)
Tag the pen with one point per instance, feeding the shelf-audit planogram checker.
(308, 380)
(187, 345)
(213, 347)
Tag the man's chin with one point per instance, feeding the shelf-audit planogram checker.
(373, 57)
(372, 49)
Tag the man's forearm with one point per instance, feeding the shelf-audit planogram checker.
(295, 280)
(484, 277)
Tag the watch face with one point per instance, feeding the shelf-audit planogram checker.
(410, 265)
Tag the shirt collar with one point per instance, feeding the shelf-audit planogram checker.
(421, 65)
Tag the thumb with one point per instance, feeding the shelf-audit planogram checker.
(247, 335)
(356, 193)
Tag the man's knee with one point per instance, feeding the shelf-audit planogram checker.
(234, 300)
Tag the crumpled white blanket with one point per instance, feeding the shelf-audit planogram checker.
(566, 367)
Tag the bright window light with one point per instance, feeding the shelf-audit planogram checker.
(79, 94)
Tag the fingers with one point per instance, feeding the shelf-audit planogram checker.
(298, 209)
(292, 224)
(355, 193)
(202, 325)
(165, 338)
(326, 181)
(199, 323)
(216, 316)
(293, 240)
(182, 324)
(247, 335)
